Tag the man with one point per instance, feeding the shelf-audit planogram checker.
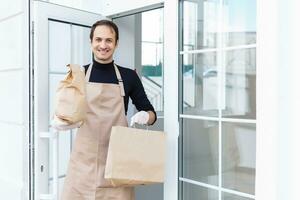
(107, 91)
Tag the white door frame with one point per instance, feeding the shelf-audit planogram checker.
(171, 96)
(42, 12)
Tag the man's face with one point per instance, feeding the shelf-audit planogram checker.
(104, 44)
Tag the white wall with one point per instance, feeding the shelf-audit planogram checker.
(14, 99)
(94, 6)
(113, 7)
(278, 100)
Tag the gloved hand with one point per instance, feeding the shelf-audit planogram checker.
(61, 125)
(141, 117)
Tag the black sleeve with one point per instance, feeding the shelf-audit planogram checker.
(139, 97)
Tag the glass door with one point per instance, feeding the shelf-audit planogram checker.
(144, 38)
(61, 36)
(218, 100)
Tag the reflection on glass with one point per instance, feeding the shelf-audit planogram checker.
(152, 57)
(200, 24)
(240, 89)
(81, 47)
(227, 196)
(59, 46)
(200, 150)
(239, 22)
(200, 84)
(238, 156)
(195, 192)
(152, 24)
(69, 44)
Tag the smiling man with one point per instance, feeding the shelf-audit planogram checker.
(104, 41)
(107, 92)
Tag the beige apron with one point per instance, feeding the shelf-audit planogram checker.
(85, 175)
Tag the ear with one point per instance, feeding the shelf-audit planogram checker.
(91, 46)
(117, 43)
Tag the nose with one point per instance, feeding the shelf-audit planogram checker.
(103, 45)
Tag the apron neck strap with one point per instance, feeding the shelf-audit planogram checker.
(88, 73)
(120, 81)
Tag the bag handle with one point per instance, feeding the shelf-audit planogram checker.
(147, 126)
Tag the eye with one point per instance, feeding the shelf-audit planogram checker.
(98, 39)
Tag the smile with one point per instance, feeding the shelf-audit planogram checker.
(103, 51)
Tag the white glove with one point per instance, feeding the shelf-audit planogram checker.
(61, 125)
(141, 117)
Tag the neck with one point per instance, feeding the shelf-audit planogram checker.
(103, 61)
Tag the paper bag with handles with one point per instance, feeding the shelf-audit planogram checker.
(135, 156)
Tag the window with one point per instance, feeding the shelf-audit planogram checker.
(152, 57)
(217, 100)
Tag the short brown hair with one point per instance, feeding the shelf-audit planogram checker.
(104, 22)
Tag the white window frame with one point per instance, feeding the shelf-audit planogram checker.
(221, 101)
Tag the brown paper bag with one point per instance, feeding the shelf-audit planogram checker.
(70, 102)
(135, 157)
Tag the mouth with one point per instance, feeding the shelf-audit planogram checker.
(103, 51)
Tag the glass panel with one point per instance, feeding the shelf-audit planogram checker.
(200, 150)
(61, 185)
(238, 156)
(158, 126)
(195, 192)
(200, 24)
(81, 48)
(61, 181)
(59, 46)
(240, 90)
(152, 57)
(152, 20)
(64, 150)
(149, 192)
(200, 84)
(239, 22)
(227, 196)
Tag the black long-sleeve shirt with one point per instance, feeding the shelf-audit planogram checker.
(105, 73)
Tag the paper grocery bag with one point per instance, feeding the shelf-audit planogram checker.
(70, 102)
(135, 156)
